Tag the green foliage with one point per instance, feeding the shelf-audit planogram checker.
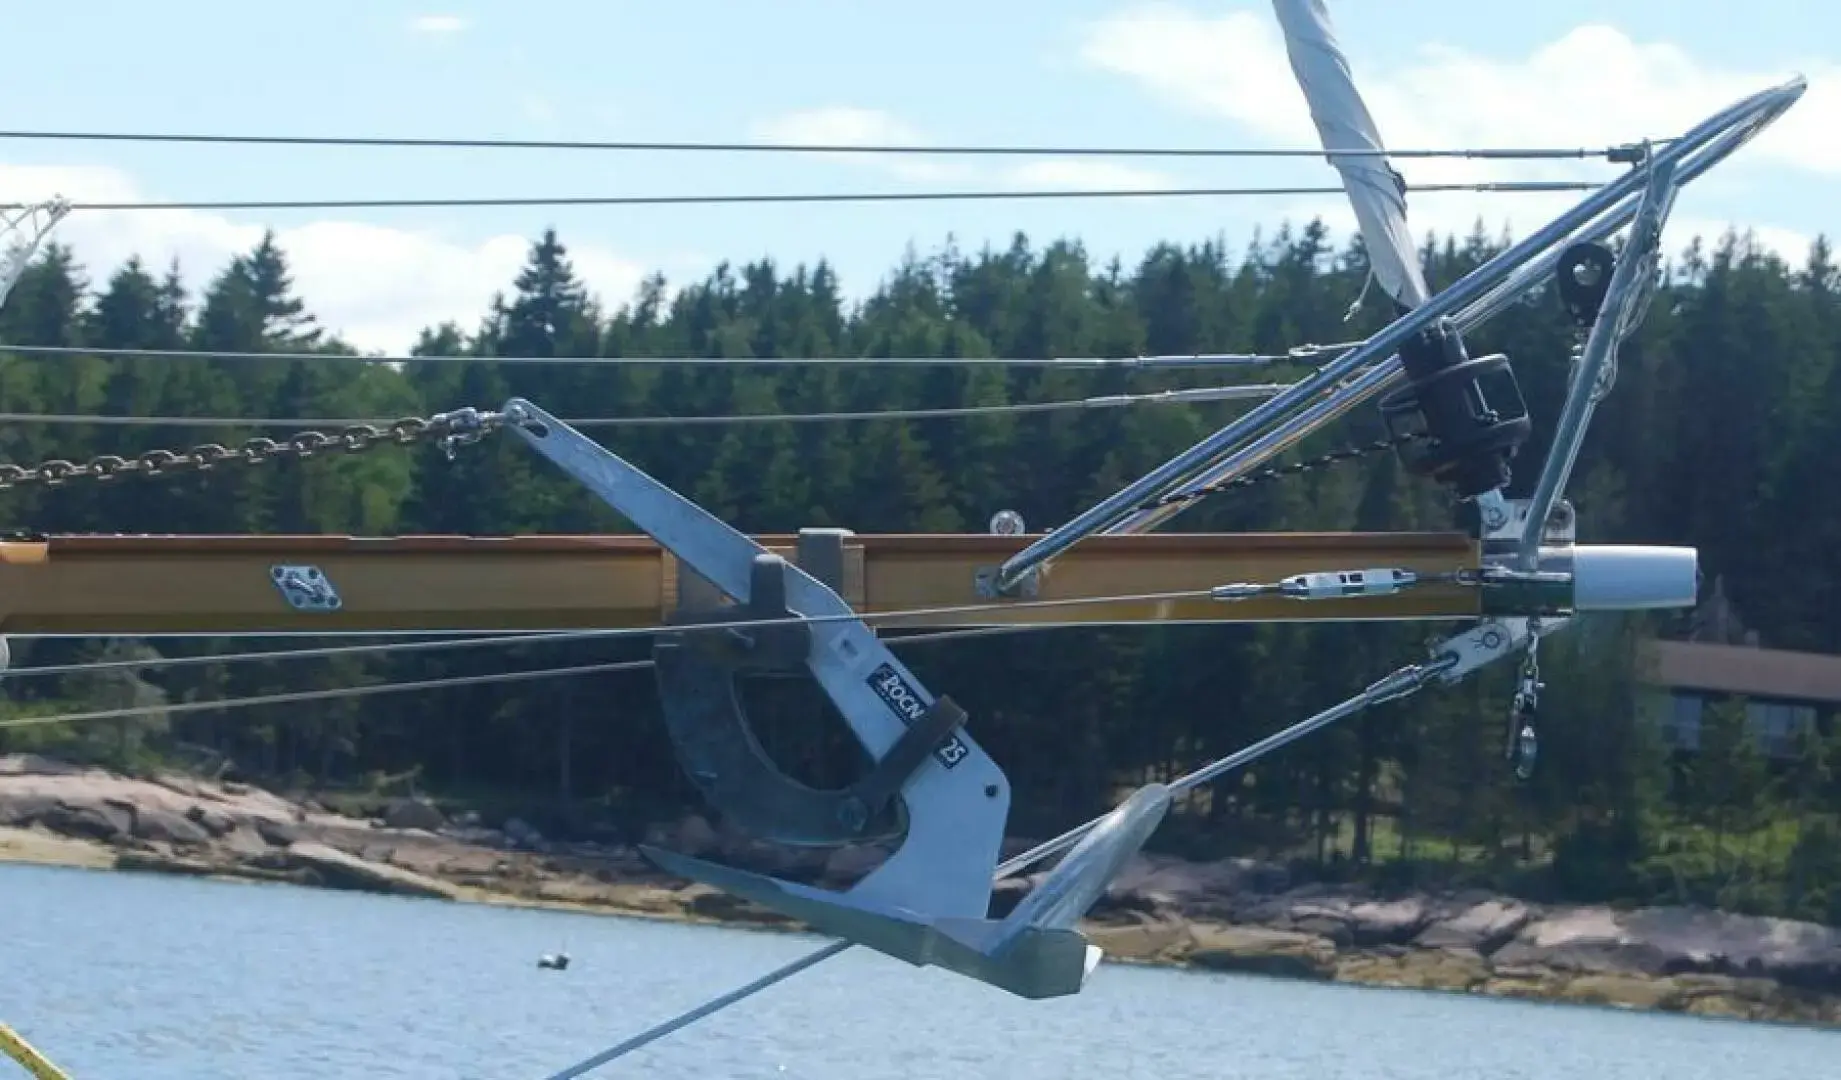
(1722, 432)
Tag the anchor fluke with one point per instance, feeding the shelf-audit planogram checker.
(1034, 952)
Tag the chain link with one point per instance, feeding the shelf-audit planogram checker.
(1281, 472)
(449, 430)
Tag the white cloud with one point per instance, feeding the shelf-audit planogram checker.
(1231, 66)
(373, 285)
(1594, 86)
(839, 125)
(845, 126)
(439, 25)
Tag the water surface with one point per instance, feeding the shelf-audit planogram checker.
(143, 977)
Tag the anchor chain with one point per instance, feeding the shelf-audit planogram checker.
(451, 430)
(1264, 476)
(448, 430)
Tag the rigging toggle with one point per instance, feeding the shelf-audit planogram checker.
(1573, 577)
(1336, 584)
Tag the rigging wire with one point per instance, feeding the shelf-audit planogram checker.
(272, 655)
(296, 696)
(1191, 396)
(629, 146)
(1296, 353)
(258, 655)
(710, 1007)
(293, 697)
(636, 631)
(1521, 187)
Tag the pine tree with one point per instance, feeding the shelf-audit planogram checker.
(1721, 432)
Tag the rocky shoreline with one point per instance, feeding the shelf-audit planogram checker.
(1233, 915)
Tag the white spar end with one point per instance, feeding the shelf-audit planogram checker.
(1634, 577)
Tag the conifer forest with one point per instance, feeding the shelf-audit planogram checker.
(1722, 432)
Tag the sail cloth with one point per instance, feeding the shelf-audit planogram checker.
(1343, 123)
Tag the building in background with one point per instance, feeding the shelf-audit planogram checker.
(1784, 691)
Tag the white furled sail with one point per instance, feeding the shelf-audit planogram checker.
(1343, 123)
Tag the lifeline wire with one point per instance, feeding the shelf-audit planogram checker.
(1296, 353)
(1485, 153)
(1401, 683)
(1109, 401)
(296, 696)
(1518, 187)
(301, 654)
(526, 638)
(292, 697)
(587, 669)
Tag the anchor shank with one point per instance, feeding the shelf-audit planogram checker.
(719, 553)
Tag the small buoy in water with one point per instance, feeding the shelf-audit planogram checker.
(554, 961)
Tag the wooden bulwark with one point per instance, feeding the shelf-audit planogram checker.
(221, 584)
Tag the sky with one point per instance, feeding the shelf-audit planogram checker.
(1435, 73)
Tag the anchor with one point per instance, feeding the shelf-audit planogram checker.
(927, 904)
